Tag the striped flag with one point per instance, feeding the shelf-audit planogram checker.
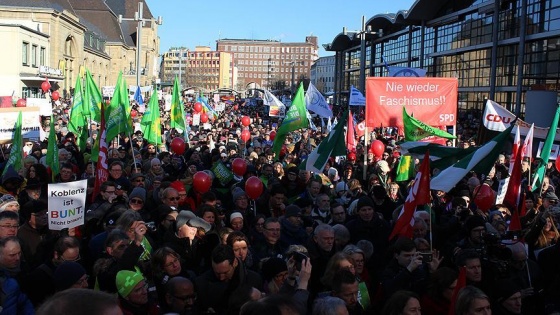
(332, 145)
(350, 135)
(480, 161)
(102, 169)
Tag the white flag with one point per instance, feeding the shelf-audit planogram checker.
(316, 102)
(329, 125)
(528, 144)
(311, 124)
(276, 108)
(356, 97)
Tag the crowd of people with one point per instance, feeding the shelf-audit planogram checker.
(309, 244)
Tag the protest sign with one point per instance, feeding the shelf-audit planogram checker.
(30, 121)
(67, 202)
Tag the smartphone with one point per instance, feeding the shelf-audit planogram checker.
(427, 257)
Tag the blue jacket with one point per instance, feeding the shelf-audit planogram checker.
(15, 301)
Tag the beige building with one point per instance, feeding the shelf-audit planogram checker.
(58, 39)
(201, 68)
(271, 64)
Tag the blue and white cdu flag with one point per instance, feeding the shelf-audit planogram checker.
(356, 97)
(316, 102)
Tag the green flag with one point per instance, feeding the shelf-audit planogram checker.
(545, 152)
(77, 115)
(414, 129)
(151, 122)
(117, 114)
(92, 99)
(333, 145)
(16, 150)
(479, 161)
(405, 170)
(177, 114)
(296, 118)
(81, 141)
(52, 151)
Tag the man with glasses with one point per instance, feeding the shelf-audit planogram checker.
(116, 175)
(66, 248)
(9, 224)
(133, 296)
(34, 230)
(104, 203)
(270, 245)
(138, 180)
(180, 297)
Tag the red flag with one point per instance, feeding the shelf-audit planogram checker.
(461, 283)
(361, 129)
(419, 194)
(350, 137)
(101, 170)
(513, 192)
(515, 148)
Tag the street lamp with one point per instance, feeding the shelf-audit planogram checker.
(139, 17)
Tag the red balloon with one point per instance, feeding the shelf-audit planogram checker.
(245, 121)
(253, 187)
(133, 113)
(45, 86)
(201, 182)
(197, 107)
(245, 135)
(351, 156)
(272, 135)
(377, 148)
(178, 145)
(484, 197)
(239, 166)
(235, 107)
(55, 96)
(203, 118)
(21, 103)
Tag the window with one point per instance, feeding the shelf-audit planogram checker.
(34, 55)
(25, 53)
(42, 56)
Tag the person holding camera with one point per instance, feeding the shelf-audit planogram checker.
(409, 269)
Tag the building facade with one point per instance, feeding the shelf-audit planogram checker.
(60, 39)
(322, 74)
(270, 64)
(497, 49)
(202, 68)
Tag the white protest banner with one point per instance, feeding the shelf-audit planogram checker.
(196, 119)
(108, 91)
(30, 122)
(220, 107)
(45, 107)
(67, 202)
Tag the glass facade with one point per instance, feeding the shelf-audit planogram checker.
(459, 44)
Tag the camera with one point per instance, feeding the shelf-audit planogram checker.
(298, 258)
(427, 257)
(151, 226)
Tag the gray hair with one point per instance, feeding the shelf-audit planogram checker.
(327, 305)
(367, 247)
(465, 298)
(323, 227)
(341, 233)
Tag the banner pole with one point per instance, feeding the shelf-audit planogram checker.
(366, 138)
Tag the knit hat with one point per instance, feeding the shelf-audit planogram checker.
(237, 193)
(67, 274)
(341, 187)
(383, 166)
(504, 289)
(155, 161)
(138, 192)
(136, 175)
(292, 211)
(273, 267)
(235, 215)
(188, 217)
(126, 281)
(334, 173)
(550, 195)
(6, 201)
(473, 222)
(365, 201)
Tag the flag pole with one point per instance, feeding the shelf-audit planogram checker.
(366, 136)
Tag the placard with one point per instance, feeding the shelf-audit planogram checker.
(67, 202)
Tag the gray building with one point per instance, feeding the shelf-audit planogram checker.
(322, 74)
